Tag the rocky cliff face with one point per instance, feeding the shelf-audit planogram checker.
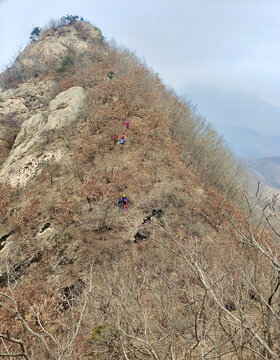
(53, 44)
(26, 157)
(31, 102)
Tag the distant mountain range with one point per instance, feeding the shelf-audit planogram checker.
(269, 168)
(249, 125)
(257, 173)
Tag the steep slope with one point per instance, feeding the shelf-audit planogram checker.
(83, 278)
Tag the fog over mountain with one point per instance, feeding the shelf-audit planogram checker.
(249, 125)
(269, 168)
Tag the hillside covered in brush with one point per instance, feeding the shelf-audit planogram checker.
(185, 272)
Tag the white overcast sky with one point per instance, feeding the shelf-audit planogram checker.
(233, 44)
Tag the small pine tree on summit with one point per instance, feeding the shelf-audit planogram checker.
(35, 33)
(69, 19)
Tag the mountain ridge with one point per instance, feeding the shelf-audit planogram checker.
(84, 278)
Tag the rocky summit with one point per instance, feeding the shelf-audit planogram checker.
(125, 231)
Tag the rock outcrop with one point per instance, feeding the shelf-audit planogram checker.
(27, 97)
(32, 147)
(53, 44)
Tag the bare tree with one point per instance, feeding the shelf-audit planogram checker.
(53, 346)
(19, 342)
(241, 290)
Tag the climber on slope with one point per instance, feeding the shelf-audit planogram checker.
(124, 202)
(115, 139)
(122, 141)
(127, 124)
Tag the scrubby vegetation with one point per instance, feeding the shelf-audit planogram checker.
(66, 62)
(203, 283)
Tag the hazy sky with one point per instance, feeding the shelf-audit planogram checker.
(232, 44)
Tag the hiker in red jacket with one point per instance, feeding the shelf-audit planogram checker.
(115, 139)
(127, 124)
